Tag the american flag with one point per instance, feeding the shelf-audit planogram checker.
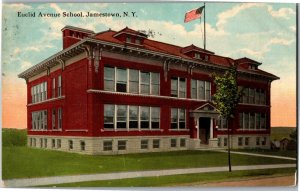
(193, 14)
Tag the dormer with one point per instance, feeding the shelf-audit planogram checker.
(248, 63)
(72, 35)
(196, 52)
(131, 37)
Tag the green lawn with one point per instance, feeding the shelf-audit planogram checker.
(288, 153)
(23, 162)
(181, 180)
(279, 133)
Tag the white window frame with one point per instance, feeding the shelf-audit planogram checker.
(178, 120)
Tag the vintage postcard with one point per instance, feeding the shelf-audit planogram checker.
(149, 94)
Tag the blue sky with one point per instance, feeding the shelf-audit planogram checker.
(263, 32)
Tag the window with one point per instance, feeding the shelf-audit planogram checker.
(58, 143)
(82, 145)
(207, 91)
(53, 143)
(222, 123)
(59, 90)
(194, 89)
(121, 145)
(182, 87)
(144, 144)
(107, 145)
(174, 87)
(39, 120)
(109, 111)
(145, 83)
(257, 140)
(59, 112)
(178, 87)
(39, 92)
(128, 39)
(264, 141)
(70, 144)
(225, 141)
(41, 143)
(240, 141)
(34, 142)
(251, 95)
(263, 121)
(197, 56)
(133, 81)
(182, 142)
(262, 97)
(121, 80)
(133, 117)
(121, 116)
(181, 119)
(155, 117)
(245, 95)
(53, 87)
(252, 120)
(53, 119)
(137, 41)
(45, 143)
(109, 79)
(155, 83)
(156, 143)
(145, 114)
(177, 118)
(257, 95)
(219, 142)
(173, 142)
(200, 90)
(247, 141)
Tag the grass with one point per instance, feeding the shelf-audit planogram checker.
(181, 180)
(24, 162)
(287, 153)
(279, 133)
(14, 137)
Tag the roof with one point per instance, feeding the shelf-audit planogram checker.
(161, 48)
(130, 31)
(77, 29)
(247, 60)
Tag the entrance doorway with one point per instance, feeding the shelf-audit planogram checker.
(204, 129)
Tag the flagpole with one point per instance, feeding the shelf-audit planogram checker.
(204, 42)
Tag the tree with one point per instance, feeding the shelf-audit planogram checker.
(294, 135)
(226, 99)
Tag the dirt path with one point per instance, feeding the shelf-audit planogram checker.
(255, 181)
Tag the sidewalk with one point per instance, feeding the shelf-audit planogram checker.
(134, 174)
(259, 155)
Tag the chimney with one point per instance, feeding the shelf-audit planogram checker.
(72, 35)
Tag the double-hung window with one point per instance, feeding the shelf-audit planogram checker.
(133, 81)
(59, 112)
(53, 119)
(59, 89)
(133, 117)
(53, 88)
(145, 115)
(109, 79)
(194, 89)
(155, 83)
(177, 118)
(109, 113)
(178, 87)
(145, 82)
(155, 117)
(121, 116)
(121, 80)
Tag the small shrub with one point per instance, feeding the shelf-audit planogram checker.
(14, 137)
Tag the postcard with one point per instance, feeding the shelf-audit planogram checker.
(193, 94)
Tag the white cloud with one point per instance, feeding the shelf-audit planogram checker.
(281, 13)
(25, 65)
(293, 28)
(17, 6)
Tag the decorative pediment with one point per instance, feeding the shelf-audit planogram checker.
(206, 107)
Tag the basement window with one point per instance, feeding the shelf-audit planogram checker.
(82, 145)
(121, 145)
(107, 145)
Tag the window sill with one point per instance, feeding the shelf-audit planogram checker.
(129, 130)
(251, 129)
(178, 129)
(76, 130)
(47, 100)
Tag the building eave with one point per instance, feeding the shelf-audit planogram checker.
(42, 66)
